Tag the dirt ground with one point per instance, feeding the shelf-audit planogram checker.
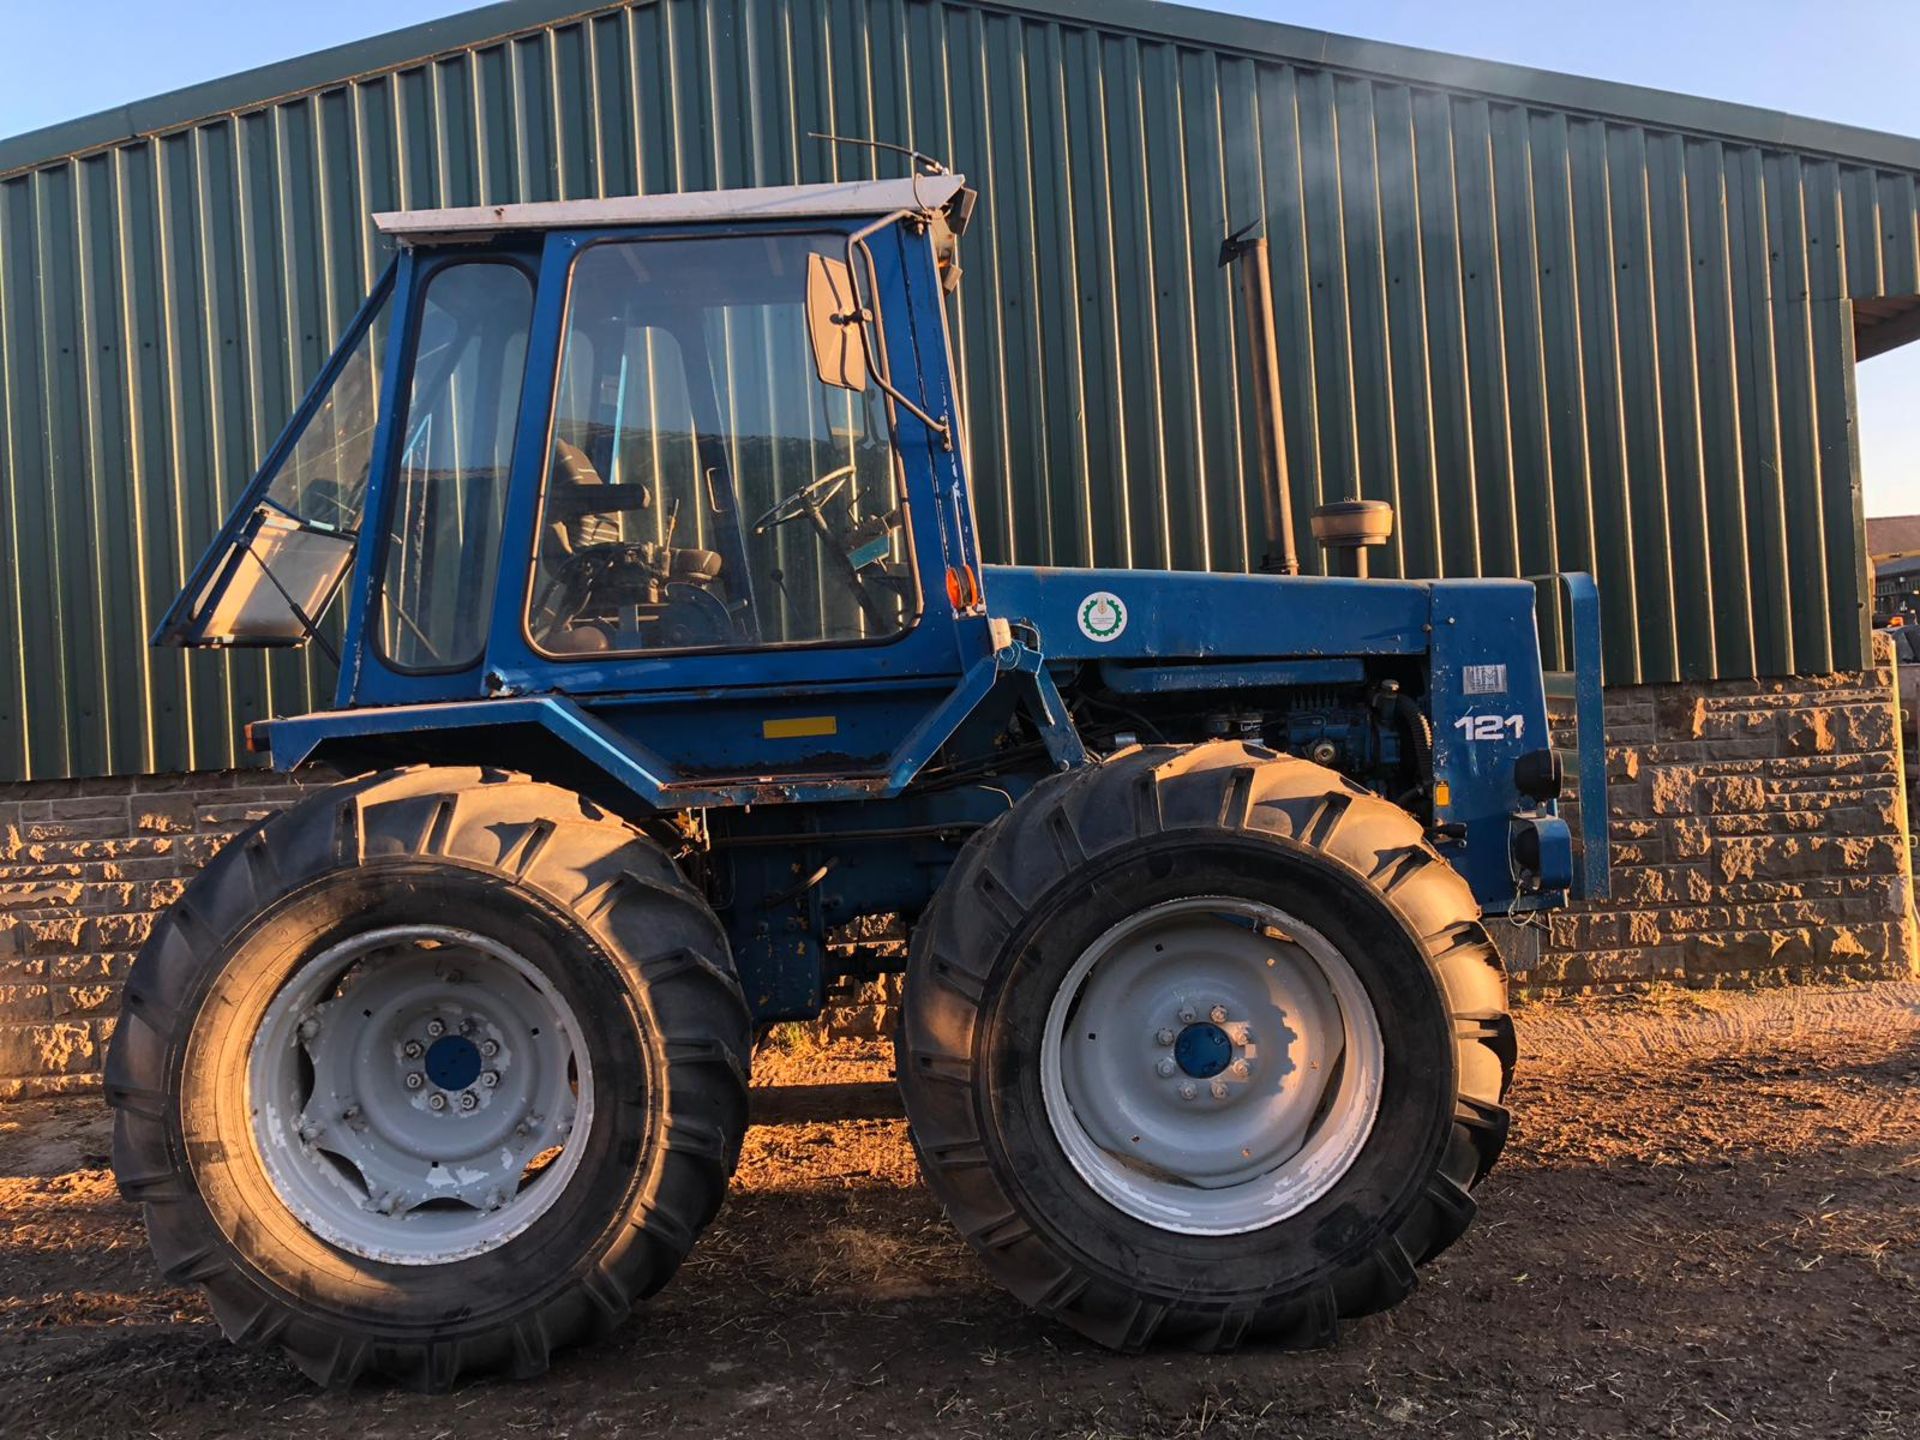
(1707, 1224)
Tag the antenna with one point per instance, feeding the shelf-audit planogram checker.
(931, 165)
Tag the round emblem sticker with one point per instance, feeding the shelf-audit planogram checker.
(1103, 615)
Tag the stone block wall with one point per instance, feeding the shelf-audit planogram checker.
(84, 866)
(1759, 835)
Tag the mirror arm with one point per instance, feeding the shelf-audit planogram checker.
(867, 317)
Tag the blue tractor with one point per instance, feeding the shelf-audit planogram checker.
(669, 662)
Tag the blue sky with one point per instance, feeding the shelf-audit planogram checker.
(1840, 60)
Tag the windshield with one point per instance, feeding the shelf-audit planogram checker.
(705, 488)
(278, 561)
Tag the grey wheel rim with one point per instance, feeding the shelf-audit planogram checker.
(419, 1094)
(1211, 1066)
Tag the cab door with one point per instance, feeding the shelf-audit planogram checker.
(703, 510)
(711, 521)
(423, 590)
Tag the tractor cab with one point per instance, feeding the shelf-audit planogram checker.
(625, 446)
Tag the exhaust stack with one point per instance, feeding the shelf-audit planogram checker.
(1263, 344)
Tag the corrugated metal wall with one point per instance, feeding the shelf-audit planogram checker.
(1550, 339)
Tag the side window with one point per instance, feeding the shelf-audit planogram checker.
(705, 488)
(450, 492)
(278, 561)
(324, 479)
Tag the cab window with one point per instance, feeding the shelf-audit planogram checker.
(705, 488)
(450, 490)
(277, 563)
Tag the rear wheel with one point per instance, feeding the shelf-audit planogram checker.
(435, 1073)
(1202, 1045)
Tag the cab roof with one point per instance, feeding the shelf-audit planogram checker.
(927, 193)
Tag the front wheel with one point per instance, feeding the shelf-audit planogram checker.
(1203, 1045)
(433, 1074)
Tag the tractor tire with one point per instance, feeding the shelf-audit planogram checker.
(429, 1076)
(1188, 1180)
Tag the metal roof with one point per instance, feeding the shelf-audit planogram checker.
(1892, 537)
(1158, 19)
(925, 193)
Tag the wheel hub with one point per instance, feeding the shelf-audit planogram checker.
(419, 1094)
(453, 1062)
(1203, 1050)
(1211, 1065)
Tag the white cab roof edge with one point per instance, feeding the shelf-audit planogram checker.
(773, 202)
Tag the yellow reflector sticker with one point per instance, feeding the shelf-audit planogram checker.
(800, 728)
(1442, 793)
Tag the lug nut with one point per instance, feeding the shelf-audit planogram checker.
(309, 1028)
(489, 1079)
(467, 1026)
(436, 1101)
(1218, 1014)
(1219, 1089)
(415, 1080)
(1165, 1067)
(1188, 1091)
(468, 1099)
(436, 1028)
(1238, 1069)
(411, 1049)
(489, 1048)
(1163, 1037)
(1188, 1015)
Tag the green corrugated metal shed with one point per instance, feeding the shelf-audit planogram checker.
(1557, 322)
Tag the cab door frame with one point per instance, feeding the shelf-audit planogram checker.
(947, 638)
(366, 678)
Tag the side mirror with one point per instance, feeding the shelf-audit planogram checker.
(834, 324)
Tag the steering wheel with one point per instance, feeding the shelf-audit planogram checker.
(811, 496)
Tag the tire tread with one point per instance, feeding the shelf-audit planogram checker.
(1069, 819)
(556, 844)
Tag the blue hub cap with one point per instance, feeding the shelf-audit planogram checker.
(453, 1062)
(1202, 1050)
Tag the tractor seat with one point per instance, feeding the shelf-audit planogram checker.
(580, 523)
(582, 508)
(694, 567)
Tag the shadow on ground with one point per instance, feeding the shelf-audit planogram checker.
(1707, 1224)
